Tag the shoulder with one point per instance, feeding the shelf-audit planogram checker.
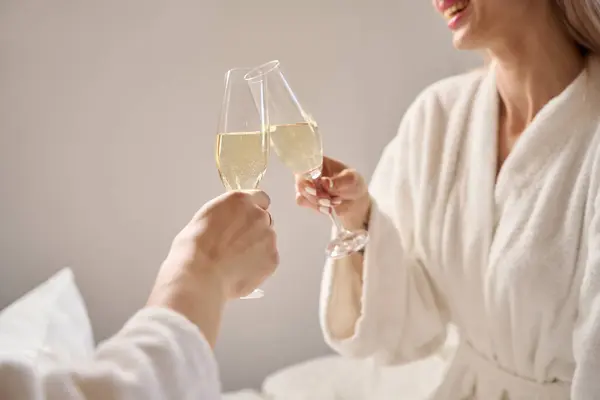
(425, 127)
(442, 98)
(439, 112)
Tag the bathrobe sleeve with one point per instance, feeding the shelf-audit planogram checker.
(400, 317)
(586, 343)
(158, 355)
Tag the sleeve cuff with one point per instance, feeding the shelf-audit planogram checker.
(366, 327)
(185, 335)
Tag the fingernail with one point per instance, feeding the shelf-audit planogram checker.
(328, 183)
(336, 202)
(324, 210)
(325, 202)
(310, 191)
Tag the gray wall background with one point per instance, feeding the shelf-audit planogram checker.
(108, 112)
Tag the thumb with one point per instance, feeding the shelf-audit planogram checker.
(259, 198)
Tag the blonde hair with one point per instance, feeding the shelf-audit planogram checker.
(582, 18)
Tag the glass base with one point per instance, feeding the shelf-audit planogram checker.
(256, 294)
(346, 243)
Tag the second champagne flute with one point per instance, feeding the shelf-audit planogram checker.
(242, 148)
(296, 139)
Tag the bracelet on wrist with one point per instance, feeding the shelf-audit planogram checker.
(366, 228)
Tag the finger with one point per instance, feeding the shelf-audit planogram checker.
(271, 249)
(324, 210)
(260, 198)
(265, 218)
(313, 187)
(255, 282)
(313, 205)
(306, 186)
(347, 184)
(306, 189)
(315, 202)
(303, 201)
(254, 223)
(302, 181)
(327, 201)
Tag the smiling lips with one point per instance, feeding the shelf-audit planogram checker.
(451, 8)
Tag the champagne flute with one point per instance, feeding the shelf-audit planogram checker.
(242, 138)
(296, 139)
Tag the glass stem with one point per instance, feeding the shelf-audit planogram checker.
(336, 221)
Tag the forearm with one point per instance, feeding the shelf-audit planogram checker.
(347, 286)
(198, 297)
(344, 307)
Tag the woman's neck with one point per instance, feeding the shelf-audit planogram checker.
(531, 70)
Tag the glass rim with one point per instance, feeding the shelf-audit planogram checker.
(262, 70)
(234, 69)
(237, 70)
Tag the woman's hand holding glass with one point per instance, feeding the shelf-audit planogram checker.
(340, 188)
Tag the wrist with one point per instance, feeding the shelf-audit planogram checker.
(359, 218)
(197, 295)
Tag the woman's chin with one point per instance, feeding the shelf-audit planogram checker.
(464, 40)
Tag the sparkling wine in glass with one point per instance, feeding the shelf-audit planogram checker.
(296, 139)
(242, 148)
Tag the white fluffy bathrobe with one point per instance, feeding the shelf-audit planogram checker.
(512, 261)
(158, 355)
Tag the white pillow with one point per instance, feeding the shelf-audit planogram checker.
(49, 325)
